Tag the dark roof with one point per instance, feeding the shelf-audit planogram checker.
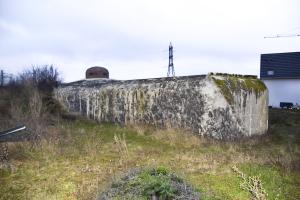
(280, 65)
(96, 72)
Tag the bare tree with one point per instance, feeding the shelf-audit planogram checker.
(44, 77)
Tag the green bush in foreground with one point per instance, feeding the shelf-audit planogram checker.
(155, 183)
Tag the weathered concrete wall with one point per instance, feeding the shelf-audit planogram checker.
(218, 106)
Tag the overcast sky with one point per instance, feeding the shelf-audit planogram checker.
(131, 37)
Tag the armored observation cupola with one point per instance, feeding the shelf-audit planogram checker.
(96, 72)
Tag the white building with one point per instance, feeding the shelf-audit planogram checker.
(281, 74)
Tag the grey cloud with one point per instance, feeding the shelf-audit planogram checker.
(207, 35)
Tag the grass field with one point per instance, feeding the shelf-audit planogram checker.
(80, 158)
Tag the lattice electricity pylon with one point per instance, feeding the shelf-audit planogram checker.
(171, 70)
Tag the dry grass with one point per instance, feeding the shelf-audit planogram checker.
(79, 159)
(179, 138)
(121, 146)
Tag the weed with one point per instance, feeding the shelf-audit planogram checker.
(121, 145)
(252, 185)
(155, 183)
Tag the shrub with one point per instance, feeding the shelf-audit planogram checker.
(28, 100)
(44, 77)
(156, 183)
(153, 183)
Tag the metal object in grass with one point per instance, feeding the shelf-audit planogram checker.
(4, 135)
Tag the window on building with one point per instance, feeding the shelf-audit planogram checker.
(271, 73)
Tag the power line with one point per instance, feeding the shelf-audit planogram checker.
(282, 35)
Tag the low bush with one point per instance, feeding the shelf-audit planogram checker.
(155, 183)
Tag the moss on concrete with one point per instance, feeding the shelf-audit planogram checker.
(231, 84)
(226, 91)
(255, 84)
(140, 101)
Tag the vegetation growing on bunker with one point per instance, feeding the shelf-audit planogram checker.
(230, 84)
(224, 89)
(140, 101)
(257, 85)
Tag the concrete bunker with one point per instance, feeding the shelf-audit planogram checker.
(216, 105)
